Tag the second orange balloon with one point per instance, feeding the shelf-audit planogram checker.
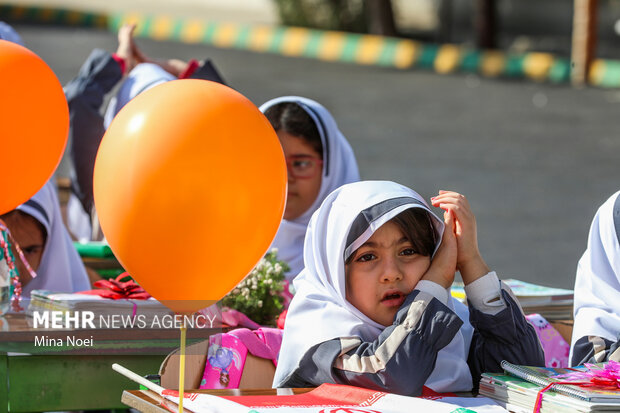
(190, 187)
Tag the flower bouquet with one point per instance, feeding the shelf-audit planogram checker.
(259, 295)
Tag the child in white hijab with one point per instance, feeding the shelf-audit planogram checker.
(373, 305)
(596, 332)
(38, 227)
(319, 160)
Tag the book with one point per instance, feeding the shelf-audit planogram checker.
(518, 388)
(519, 395)
(550, 302)
(66, 303)
(543, 376)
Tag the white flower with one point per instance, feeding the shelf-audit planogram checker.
(260, 303)
(269, 281)
(278, 267)
(236, 291)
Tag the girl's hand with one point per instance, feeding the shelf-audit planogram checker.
(469, 262)
(443, 265)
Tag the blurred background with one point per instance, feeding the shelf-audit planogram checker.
(535, 158)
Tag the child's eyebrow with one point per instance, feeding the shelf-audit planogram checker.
(373, 244)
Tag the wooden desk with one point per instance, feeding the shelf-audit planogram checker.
(65, 379)
(147, 401)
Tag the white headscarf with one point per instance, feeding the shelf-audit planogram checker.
(61, 268)
(597, 285)
(319, 311)
(8, 33)
(339, 168)
(143, 77)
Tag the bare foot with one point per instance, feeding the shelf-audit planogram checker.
(126, 46)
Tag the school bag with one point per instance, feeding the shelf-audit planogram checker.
(228, 354)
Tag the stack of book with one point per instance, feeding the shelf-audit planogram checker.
(105, 310)
(551, 303)
(518, 388)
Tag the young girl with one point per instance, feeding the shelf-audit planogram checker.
(37, 227)
(596, 334)
(319, 160)
(373, 306)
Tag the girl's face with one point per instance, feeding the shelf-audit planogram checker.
(30, 236)
(305, 169)
(382, 272)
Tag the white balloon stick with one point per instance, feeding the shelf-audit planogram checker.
(137, 378)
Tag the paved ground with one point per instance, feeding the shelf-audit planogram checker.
(535, 160)
(534, 42)
(242, 11)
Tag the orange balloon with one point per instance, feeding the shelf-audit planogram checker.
(190, 186)
(34, 123)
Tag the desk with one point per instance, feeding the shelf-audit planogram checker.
(326, 398)
(147, 401)
(46, 380)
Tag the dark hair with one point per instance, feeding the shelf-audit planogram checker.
(291, 118)
(418, 227)
(17, 217)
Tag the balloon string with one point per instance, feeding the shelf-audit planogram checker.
(16, 285)
(182, 367)
(22, 257)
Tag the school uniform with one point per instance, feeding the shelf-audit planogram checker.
(596, 331)
(85, 94)
(434, 340)
(339, 168)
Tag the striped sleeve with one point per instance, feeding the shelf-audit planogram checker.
(501, 332)
(400, 360)
(85, 95)
(593, 349)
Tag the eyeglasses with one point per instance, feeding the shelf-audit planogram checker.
(303, 166)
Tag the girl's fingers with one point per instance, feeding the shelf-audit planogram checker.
(449, 220)
(452, 196)
(456, 202)
(460, 213)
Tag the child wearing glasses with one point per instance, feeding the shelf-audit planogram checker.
(373, 305)
(319, 160)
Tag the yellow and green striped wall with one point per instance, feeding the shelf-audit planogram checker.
(331, 45)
